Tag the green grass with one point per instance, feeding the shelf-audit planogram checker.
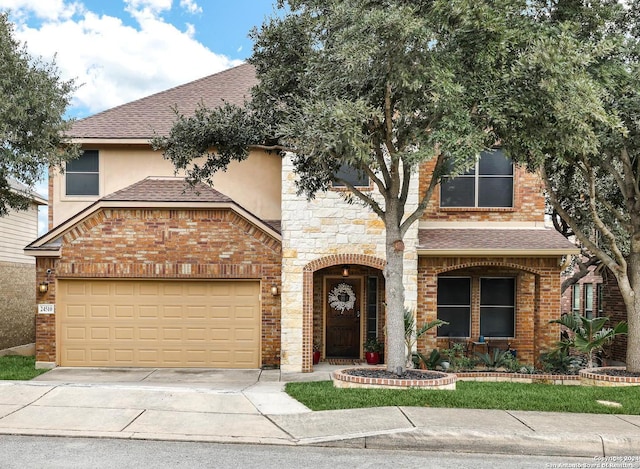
(473, 395)
(16, 367)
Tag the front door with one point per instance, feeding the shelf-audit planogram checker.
(343, 300)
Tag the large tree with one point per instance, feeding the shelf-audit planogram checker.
(584, 135)
(33, 100)
(379, 85)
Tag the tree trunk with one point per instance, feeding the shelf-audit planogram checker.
(394, 289)
(632, 301)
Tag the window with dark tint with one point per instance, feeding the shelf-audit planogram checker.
(82, 174)
(488, 184)
(497, 307)
(352, 175)
(454, 306)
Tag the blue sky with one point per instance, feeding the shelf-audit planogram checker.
(121, 50)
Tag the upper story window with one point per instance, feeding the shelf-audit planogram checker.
(352, 175)
(82, 174)
(488, 184)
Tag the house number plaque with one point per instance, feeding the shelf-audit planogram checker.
(46, 309)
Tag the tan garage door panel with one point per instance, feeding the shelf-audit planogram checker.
(159, 323)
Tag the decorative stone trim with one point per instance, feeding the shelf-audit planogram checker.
(342, 380)
(588, 377)
(496, 376)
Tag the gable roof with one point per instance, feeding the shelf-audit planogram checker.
(150, 193)
(139, 119)
(481, 241)
(167, 189)
(21, 189)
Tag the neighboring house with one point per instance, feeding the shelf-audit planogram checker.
(143, 272)
(597, 294)
(18, 272)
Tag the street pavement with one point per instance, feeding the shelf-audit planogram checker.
(250, 406)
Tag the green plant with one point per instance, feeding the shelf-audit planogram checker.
(373, 345)
(433, 360)
(412, 333)
(317, 346)
(457, 358)
(589, 334)
(560, 360)
(495, 359)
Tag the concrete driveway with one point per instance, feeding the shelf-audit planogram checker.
(211, 379)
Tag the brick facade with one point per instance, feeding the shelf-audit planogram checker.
(537, 299)
(614, 308)
(167, 244)
(528, 201)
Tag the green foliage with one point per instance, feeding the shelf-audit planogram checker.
(322, 395)
(560, 360)
(432, 361)
(457, 359)
(411, 334)
(373, 345)
(589, 335)
(495, 359)
(33, 99)
(17, 367)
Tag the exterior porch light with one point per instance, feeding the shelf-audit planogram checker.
(274, 290)
(43, 287)
(345, 271)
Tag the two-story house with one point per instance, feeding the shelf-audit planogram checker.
(142, 271)
(18, 271)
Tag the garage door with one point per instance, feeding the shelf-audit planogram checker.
(159, 323)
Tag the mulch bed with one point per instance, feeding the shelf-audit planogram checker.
(615, 372)
(384, 374)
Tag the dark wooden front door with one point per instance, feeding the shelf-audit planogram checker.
(343, 299)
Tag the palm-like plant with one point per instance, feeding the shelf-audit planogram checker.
(589, 335)
(411, 334)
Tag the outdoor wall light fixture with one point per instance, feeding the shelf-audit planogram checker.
(274, 290)
(43, 287)
(345, 271)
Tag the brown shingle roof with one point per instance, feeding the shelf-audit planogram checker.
(139, 119)
(161, 189)
(492, 239)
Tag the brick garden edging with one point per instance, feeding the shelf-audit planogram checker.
(496, 376)
(589, 378)
(342, 380)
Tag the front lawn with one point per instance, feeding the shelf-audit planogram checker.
(473, 395)
(17, 367)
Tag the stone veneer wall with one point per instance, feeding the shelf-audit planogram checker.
(328, 227)
(17, 304)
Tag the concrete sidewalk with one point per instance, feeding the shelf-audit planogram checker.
(249, 406)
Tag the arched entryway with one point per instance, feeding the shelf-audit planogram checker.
(342, 304)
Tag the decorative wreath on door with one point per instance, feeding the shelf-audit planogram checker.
(342, 297)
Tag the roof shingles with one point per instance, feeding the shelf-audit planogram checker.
(166, 190)
(446, 239)
(155, 114)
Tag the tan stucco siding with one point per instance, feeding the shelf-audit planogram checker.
(254, 183)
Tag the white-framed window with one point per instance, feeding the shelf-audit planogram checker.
(497, 306)
(599, 289)
(454, 306)
(82, 175)
(575, 298)
(488, 184)
(588, 300)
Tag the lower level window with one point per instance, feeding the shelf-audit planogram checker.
(497, 307)
(454, 306)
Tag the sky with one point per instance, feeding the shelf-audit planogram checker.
(118, 51)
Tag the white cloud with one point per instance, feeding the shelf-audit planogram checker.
(112, 62)
(191, 6)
